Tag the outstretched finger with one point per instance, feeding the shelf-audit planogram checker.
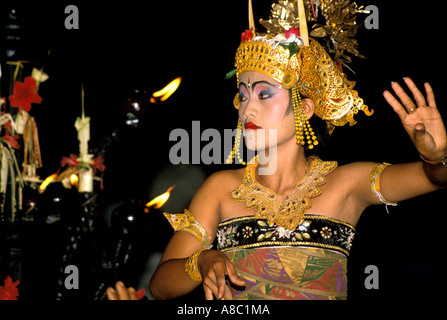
(430, 95)
(417, 94)
(405, 100)
(397, 107)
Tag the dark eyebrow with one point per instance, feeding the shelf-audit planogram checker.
(258, 82)
(242, 83)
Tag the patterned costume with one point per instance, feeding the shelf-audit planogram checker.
(283, 253)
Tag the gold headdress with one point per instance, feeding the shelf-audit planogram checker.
(286, 54)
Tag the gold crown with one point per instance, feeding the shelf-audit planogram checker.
(308, 68)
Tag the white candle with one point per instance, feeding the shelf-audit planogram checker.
(85, 180)
(82, 125)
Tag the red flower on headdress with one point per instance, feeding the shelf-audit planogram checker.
(247, 35)
(292, 30)
(24, 94)
(9, 290)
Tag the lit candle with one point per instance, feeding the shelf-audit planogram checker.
(82, 125)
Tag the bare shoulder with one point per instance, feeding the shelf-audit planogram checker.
(227, 178)
(354, 179)
(222, 182)
(353, 172)
(206, 204)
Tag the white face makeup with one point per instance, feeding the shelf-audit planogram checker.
(263, 108)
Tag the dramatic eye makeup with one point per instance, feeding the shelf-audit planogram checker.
(243, 93)
(264, 92)
(262, 89)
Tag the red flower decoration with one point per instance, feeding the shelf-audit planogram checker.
(247, 35)
(12, 141)
(9, 290)
(24, 94)
(66, 161)
(98, 162)
(292, 30)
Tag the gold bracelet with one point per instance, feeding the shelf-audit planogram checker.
(191, 267)
(374, 179)
(437, 163)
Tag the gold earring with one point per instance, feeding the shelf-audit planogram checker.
(303, 130)
(237, 146)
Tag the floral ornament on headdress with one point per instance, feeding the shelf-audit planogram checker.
(289, 40)
(246, 35)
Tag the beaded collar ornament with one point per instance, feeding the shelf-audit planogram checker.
(286, 211)
(288, 55)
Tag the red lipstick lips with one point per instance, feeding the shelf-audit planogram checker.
(251, 126)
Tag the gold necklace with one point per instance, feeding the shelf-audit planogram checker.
(286, 211)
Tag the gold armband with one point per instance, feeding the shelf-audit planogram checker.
(191, 266)
(374, 179)
(187, 222)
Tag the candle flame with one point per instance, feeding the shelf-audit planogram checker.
(160, 200)
(47, 181)
(74, 179)
(167, 91)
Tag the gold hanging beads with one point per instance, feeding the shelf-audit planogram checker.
(304, 132)
(236, 152)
